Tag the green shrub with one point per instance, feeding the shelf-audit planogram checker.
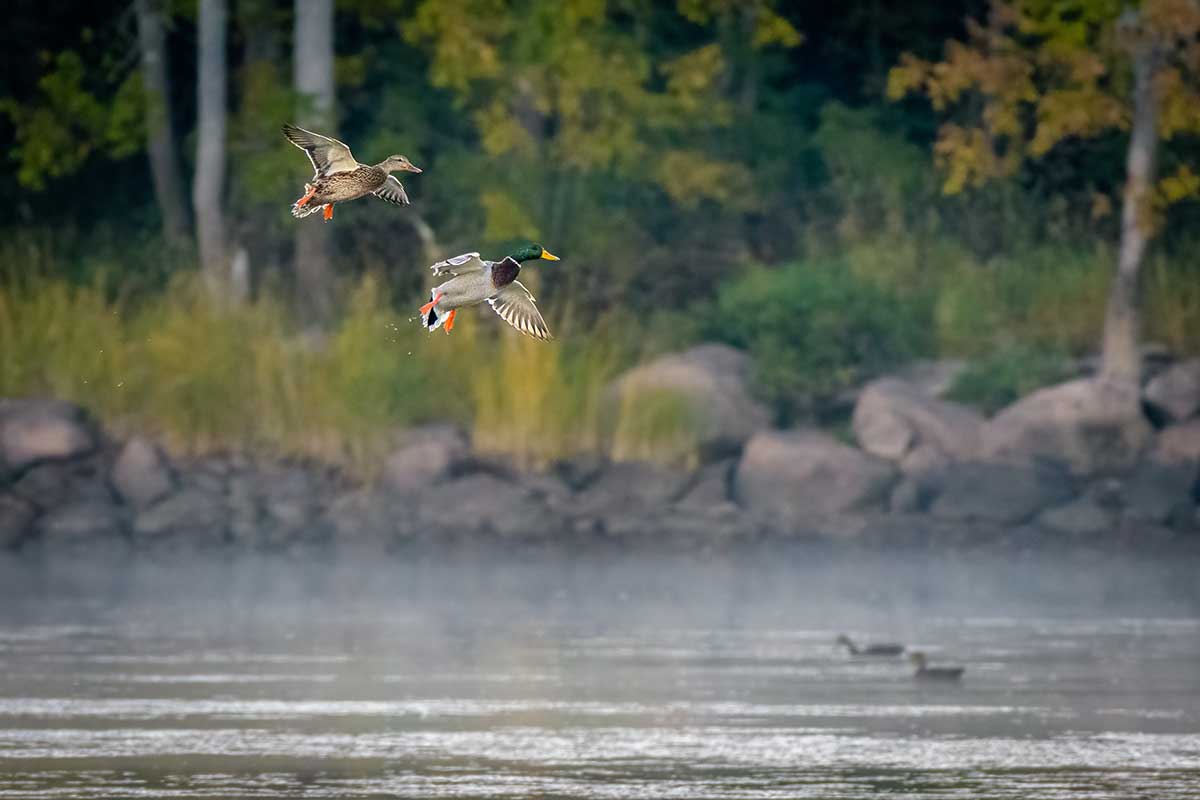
(814, 329)
(1009, 373)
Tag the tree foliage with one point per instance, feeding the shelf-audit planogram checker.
(1043, 74)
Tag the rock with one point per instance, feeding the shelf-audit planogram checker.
(1086, 425)
(630, 487)
(141, 474)
(426, 455)
(1178, 444)
(1080, 516)
(548, 488)
(923, 460)
(1107, 493)
(932, 378)
(711, 381)
(16, 520)
(579, 472)
(910, 496)
(697, 530)
(51, 484)
(1175, 393)
(484, 504)
(892, 417)
(191, 517)
(711, 489)
(1158, 492)
(84, 525)
(204, 480)
(370, 521)
(914, 530)
(1003, 493)
(33, 431)
(245, 510)
(793, 475)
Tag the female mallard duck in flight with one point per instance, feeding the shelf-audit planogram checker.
(476, 281)
(927, 673)
(338, 177)
(873, 649)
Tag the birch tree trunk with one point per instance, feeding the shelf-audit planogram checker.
(312, 77)
(1121, 360)
(160, 134)
(209, 181)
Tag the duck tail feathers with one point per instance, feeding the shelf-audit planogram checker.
(304, 206)
(431, 320)
(300, 212)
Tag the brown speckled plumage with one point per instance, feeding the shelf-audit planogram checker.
(338, 177)
(342, 186)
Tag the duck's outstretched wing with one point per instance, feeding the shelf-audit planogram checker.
(516, 306)
(392, 191)
(328, 155)
(467, 262)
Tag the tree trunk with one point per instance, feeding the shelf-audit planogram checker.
(209, 181)
(160, 134)
(1121, 360)
(312, 75)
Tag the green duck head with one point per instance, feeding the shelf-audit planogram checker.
(530, 252)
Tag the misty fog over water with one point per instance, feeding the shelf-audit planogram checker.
(614, 677)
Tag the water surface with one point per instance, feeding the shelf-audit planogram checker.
(555, 681)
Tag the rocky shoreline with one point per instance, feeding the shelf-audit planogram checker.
(1063, 467)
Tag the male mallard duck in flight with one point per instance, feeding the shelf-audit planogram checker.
(874, 649)
(476, 281)
(926, 673)
(338, 177)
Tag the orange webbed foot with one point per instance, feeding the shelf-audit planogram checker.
(450, 320)
(309, 191)
(425, 308)
(328, 211)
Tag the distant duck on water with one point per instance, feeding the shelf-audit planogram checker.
(927, 673)
(872, 649)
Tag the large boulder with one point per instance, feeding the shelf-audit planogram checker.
(289, 501)
(1178, 444)
(893, 417)
(630, 486)
(1086, 425)
(361, 521)
(33, 431)
(483, 504)
(141, 474)
(711, 489)
(1159, 493)
(1081, 516)
(193, 518)
(793, 475)
(424, 456)
(1175, 393)
(88, 525)
(996, 492)
(711, 381)
(16, 520)
(50, 484)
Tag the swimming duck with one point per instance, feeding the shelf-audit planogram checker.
(926, 673)
(476, 281)
(338, 177)
(879, 649)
